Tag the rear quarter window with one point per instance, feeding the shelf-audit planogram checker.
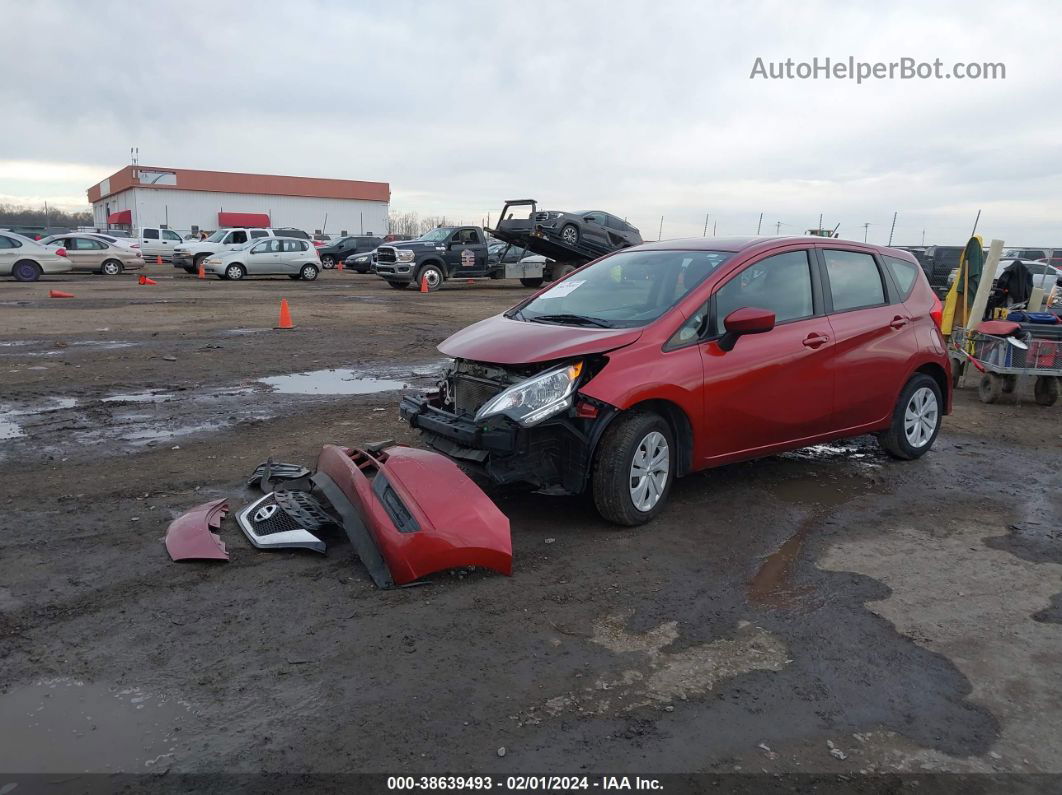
(854, 278)
(904, 273)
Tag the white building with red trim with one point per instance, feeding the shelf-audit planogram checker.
(187, 200)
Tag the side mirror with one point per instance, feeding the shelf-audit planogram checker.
(748, 320)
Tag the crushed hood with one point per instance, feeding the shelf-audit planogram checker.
(499, 340)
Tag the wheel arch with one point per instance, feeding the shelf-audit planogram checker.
(676, 418)
(937, 372)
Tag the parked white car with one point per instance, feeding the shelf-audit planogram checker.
(189, 254)
(274, 256)
(26, 260)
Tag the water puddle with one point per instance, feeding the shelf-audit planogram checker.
(149, 436)
(139, 397)
(332, 382)
(772, 585)
(69, 726)
(11, 427)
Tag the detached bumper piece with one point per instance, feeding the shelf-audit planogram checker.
(285, 520)
(410, 513)
(269, 473)
(190, 536)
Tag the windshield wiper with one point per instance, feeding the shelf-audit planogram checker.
(578, 320)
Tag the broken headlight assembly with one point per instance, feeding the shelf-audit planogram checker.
(536, 399)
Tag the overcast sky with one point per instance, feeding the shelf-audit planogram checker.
(644, 109)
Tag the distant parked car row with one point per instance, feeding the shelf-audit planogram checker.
(27, 260)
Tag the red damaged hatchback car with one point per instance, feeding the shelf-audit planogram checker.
(672, 357)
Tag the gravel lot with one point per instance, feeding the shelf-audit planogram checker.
(826, 611)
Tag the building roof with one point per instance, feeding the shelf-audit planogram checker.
(229, 182)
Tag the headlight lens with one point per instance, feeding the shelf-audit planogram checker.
(535, 399)
(213, 261)
(405, 255)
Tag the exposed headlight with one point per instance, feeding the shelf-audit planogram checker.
(405, 255)
(535, 399)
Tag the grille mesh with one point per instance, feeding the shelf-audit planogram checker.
(470, 395)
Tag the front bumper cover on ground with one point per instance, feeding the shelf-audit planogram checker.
(410, 513)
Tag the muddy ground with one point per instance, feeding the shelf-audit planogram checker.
(824, 611)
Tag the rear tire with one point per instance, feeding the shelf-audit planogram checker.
(328, 262)
(111, 267)
(398, 285)
(990, 389)
(635, 441)
(916, 420)
(26, 271)
(1045, 390)
(533, 283)
(561, 271)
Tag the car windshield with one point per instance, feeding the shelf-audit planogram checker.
(217, 236)
(437, 234)
(626, 290)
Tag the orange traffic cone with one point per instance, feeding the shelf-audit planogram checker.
(59, 294)
(285, 316)
(158, 260)
(147, 280)
(202, 270)
(424, 284)
(339, 264)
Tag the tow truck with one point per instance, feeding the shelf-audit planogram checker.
(460, 252)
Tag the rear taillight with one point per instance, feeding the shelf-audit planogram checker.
(937, 311)
(61, 252)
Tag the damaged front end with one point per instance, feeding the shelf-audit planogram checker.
(512, 424)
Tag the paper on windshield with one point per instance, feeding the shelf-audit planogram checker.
(562, 289)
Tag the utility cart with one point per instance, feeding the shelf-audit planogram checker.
(1001, 360)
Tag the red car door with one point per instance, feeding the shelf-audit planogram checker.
(772, 389)
(873, 340)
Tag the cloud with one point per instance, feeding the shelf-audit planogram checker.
(645, 109)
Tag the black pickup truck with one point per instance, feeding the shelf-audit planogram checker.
(454, 252)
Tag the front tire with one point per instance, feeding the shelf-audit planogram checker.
(533, 283)
(189, 268)
(398, 285)
(915, 420)
(434, 275)
(111, 267)
(633, 468)
(308, 273)
(26, 271)
(235, 272)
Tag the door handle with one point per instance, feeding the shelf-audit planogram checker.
(815, 340)
(898, 322)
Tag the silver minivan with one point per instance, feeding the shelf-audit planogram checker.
(274, 256)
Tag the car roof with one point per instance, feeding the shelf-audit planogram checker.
(742, 244)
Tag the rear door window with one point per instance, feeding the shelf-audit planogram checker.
(904, 273)
(781, 284)
(7, 242)
(239, 236)
(257, 233)
(854, 279)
